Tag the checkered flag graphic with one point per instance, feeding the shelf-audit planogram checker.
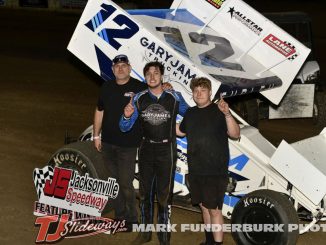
(40, 175)
(290, 45)
(292, 57)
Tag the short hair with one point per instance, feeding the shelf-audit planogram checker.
(157, 64)
(200, 82)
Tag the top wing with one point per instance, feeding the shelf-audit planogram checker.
(187, 46)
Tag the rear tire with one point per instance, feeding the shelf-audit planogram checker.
(265, 207)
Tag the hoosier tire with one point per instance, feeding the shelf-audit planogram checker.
(82, 157)
(265, 207)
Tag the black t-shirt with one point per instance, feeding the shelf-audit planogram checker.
(113, 99)
(208, 148)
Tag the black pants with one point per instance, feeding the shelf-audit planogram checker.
(121, 165)
(156, 176)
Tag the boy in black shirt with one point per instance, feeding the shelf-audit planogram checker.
(208, 127)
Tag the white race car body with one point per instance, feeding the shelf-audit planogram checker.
(241, 52)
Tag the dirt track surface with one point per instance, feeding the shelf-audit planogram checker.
(43, 93)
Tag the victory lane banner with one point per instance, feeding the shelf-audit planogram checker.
(66, 189)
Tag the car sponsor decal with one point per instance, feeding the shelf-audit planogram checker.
(216, 3)
(245, 20)
(283, 47)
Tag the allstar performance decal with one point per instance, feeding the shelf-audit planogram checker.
(67, 189)
(216, 3)
(245, 20)
(283, 47)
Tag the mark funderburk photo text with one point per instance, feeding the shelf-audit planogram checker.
(227, 227)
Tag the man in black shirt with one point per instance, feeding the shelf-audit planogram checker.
(119, 149)
(208, 127)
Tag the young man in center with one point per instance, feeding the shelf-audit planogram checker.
(157, 110)
(208, 127)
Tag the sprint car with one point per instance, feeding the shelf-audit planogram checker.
(241, 52)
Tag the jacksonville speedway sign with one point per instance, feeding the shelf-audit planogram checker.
(67, 189)
(71, 204)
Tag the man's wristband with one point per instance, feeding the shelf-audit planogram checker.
(228, 115)
(96, 137)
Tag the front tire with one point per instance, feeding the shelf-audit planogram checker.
(265, 207)
(82, 156)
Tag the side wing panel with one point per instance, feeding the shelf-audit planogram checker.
(255, 35)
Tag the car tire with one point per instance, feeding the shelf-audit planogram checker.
(265, 207)
(84, 158)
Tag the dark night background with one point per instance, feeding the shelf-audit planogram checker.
(45, 91)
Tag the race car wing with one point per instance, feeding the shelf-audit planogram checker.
(236, 63)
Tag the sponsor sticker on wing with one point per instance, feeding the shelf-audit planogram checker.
(280, 46)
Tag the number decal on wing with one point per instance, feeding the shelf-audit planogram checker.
(100, 17)
(221, 51)
(174, 38)
(213, 57)
(110, 34)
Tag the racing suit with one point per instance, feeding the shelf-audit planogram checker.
(157, 153)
